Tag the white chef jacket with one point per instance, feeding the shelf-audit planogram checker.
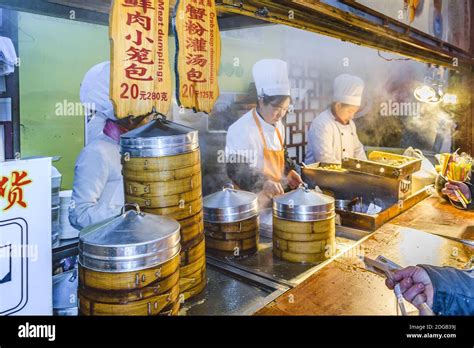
(330, 141)
(243, 139)
(98, 192)
(95, 126)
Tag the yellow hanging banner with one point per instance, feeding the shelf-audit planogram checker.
(140, 66)
(198, 54)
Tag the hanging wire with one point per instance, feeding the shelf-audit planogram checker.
(390, 59)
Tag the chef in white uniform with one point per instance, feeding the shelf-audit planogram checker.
(256, 157)
(98, 183)
(332, 135)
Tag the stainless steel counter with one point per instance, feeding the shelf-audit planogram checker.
(243, 286)
(228, 293)
(265, 265)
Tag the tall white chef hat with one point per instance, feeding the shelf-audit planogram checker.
(271, 77)
(95, 89)
(348, 89)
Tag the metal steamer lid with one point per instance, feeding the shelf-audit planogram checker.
(159, 138)
(129, 242)
(304, 204)
(230, 205)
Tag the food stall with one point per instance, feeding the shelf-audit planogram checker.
(188, 242)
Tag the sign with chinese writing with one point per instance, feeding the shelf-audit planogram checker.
(25, 237)
(140, 67)
(198, 54)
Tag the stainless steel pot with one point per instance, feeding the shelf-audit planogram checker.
(230, 205)
(128, 242)
(159, 138)
(304, 204)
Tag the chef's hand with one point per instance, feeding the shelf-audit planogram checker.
(451, 186)
(294, 179)
(415, 285)
(272, 188)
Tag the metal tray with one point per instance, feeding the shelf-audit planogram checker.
(378, 164)
(373, 222)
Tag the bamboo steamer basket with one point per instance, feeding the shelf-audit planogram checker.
(130, 265)
(154, 190)
(193, 267)
(182, 211)
(304, 227)
(149, 306)
(128, 281)
(192, 227)
(162, 173)
(231, 223)
(160, 164)
(162, 169)
(193, 250)
(156, 288)
(195, 290)
(236, 247)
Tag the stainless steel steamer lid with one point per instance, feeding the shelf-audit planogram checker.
(304, 204)
(128, 242)
(230, 205)
(159, 138)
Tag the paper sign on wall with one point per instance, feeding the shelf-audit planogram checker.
(25, 237)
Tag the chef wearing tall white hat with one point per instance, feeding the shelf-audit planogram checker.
(256, 157)
(98, 183)
(332, 135)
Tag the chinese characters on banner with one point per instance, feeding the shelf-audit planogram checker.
(140, 67)
(198, 54)
(11, 190)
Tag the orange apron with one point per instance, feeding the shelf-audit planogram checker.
(273, 160)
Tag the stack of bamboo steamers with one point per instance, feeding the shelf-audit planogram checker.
(304, 228)
(129, 265)
(231, 222)
(162, 173)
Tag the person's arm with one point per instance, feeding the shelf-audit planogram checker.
(453, 290)
(90, 177)
(292, 173)
(290, 164)
(446, 290)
